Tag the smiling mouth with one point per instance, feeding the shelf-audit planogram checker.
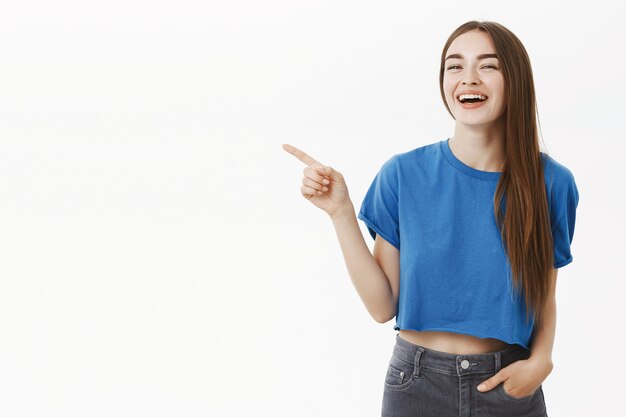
(476, 98)
(472, 105)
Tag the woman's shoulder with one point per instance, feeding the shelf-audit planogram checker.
(556, 174)
(423, 153)
(560, 186)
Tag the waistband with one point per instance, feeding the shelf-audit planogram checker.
(457, 364)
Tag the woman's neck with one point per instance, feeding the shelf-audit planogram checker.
(482, 152)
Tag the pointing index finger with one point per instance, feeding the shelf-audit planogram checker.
(301, 155)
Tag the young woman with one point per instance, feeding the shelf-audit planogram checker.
(469, 232)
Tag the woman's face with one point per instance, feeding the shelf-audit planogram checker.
(467, 71)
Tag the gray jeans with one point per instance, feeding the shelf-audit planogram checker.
(422, 382)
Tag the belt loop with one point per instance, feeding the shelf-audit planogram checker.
(418, 356)
(498, 361)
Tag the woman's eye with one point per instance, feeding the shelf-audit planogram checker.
(484, 66)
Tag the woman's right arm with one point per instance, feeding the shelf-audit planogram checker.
(376, 277)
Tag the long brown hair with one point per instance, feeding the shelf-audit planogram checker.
(523, 216)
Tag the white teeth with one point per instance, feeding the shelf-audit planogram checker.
(463, 97)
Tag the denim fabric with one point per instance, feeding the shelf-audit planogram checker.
(422, 382)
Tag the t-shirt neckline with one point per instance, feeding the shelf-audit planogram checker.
(466, 169)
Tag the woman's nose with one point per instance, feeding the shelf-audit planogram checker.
(471, 81)
(470, 77)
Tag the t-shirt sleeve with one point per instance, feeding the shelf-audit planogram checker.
(563, 228)
(379, 210)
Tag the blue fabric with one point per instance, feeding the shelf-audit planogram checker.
(454, 274)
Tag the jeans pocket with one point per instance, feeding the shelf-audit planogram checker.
(504, 392)
(400, 374)
(499, 402)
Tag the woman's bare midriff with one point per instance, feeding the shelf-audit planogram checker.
(460, 344)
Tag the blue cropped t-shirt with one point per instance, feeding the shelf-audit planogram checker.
(454, 273)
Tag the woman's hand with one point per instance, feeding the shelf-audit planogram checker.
(521, 378)
(322, 185)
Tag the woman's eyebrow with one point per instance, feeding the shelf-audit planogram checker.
(482, 56)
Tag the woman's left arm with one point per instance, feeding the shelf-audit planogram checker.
(527, 374)
(544, 331)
